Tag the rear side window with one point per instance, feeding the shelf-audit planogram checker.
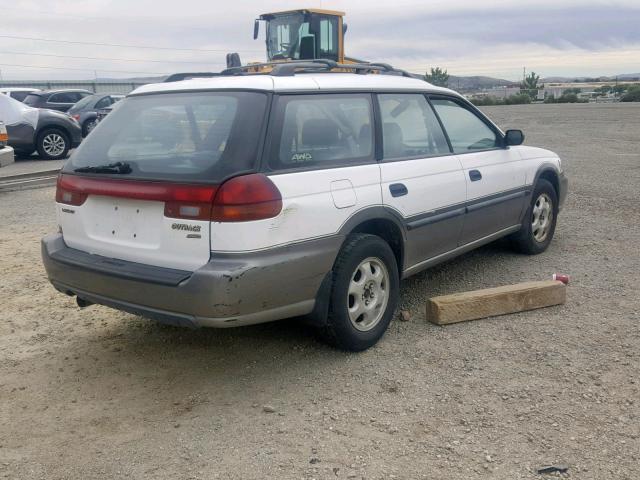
(181, 136)
(467, 132)
(410, 128)
(322, 130)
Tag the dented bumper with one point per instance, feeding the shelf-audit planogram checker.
(230, 290)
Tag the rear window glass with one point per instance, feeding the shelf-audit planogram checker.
(323, 130)
(82, 104)
(180, 136)
(20, 96)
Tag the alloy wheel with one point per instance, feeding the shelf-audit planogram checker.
(54, 144)
(368, 294)
(542, 217)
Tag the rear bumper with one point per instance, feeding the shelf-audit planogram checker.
(230, 290)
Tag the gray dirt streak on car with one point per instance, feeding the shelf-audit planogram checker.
(104, 394)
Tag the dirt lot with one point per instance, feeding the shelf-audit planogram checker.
(102, 394)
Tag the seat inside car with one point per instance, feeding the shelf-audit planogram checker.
(322, 137)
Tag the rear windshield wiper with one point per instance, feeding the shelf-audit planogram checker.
(117, 168)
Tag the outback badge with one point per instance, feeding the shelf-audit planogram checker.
(185, 227)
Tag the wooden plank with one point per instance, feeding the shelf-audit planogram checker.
(460, 307)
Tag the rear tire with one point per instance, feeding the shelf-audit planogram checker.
(88, 126)
(53, 144)
(539, 223)
(364, 293)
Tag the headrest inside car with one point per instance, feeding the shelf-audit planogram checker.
(320, 132)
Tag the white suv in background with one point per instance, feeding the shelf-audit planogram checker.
(245, 198)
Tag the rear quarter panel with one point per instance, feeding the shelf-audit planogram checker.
(315, 204)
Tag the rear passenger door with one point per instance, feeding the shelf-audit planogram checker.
(421, 180)
(321, 157)
(493, 174)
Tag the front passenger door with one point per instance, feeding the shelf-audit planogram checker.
(493, 174)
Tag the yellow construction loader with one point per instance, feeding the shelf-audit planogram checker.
(306, 34)
(299, 40)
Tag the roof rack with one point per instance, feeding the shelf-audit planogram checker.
(176, 77)
(288, 69)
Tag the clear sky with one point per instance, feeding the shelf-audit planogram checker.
(490, 37)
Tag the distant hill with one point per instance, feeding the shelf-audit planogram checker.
(622, 77)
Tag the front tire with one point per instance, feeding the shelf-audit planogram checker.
(539, 223)
(53, 144)
(364, 293)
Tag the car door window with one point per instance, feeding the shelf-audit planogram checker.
(467, 132)
(323, 130)
(409, 127)
(61, 98)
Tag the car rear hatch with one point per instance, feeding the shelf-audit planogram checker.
(141, 188)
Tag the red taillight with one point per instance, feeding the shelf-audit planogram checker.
(180, 200)
(241, 199)
(67, 193)
(76, 117)
(246, 198)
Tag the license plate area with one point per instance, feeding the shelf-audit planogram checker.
(125, 221)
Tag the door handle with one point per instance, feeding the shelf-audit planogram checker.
(398, 189)
(475, 175)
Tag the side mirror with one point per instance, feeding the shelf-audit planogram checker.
(513, 138)
(256, 28)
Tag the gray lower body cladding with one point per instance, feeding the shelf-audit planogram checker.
(22, 137)
(230, 290)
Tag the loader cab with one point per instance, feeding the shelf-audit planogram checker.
(303, 35)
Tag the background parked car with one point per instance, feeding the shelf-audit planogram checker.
(61, 100)
(51, 133)
(19, 93)
(3, 135)
(85, 111)
(103, 112)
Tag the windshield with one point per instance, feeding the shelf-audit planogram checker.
(283, 34)
(188, 136)
(302, 37)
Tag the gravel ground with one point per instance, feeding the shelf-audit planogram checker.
(102, 394)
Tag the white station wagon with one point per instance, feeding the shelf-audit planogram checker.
(244, 198)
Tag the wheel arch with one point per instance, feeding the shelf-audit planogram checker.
(548, 171)
(52, 126)
(383, 223)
